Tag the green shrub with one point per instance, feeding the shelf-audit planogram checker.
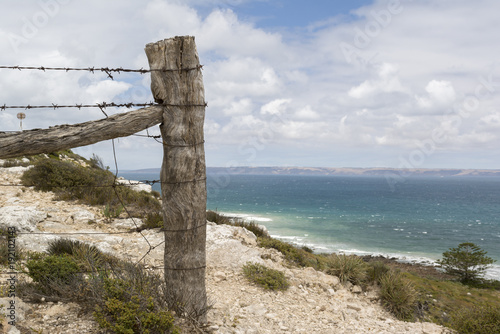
(124, 297)
(477, 320)
(70, 181)
(152, 220)
(215, 217)
(96, 162)
(307, 249)
(348, 268)
(87, 256)
(269, 279)
(251, 226)
(125, 309)
(291, 253)
(398, 295)
(112, 211)
(59, 268)
(468, 262)
(89, 185)
(4, 247)
(376, 270)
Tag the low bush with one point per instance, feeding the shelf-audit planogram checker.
(376, 270)
(152, 220)
(126, 308)
(294, 255)
(251, 226)
(348, 268)
(112, 211)
(398, 295)
(219, 219)
(307, 249)
(59, 269)
(215, 217)
(124, 297)
(4, 248)
(269, 279)
(477, 320)
(87, 256)
(89, 185)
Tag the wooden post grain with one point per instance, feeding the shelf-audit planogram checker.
(183, 173)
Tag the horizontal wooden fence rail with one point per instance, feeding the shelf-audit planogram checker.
(64, 137)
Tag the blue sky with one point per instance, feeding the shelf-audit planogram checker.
(289, 14)
(385, 83)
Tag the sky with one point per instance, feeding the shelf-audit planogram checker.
(362, 83)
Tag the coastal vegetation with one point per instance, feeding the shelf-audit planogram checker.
(467, 261)
(74, 178)
(410, 292)
(124, 297)
(348, 268)
(269, 279)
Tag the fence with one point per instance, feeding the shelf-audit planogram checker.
(177, 87)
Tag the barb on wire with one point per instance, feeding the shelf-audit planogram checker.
(147, 136)
(106, 70)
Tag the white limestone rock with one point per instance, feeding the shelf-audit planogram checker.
(136, 185)
(82, 216)
(223, 251)
(15, 170)
(127, 224)
(20, 307)
(24, 219)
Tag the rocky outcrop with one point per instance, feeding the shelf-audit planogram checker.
(314, 303)
(135, 185)
(23, 218)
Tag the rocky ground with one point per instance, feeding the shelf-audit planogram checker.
(315, 302)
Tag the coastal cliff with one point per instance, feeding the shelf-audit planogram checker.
(314, 303)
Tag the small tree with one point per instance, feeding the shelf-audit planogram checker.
(468, 261)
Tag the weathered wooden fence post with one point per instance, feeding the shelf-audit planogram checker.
(183, 175)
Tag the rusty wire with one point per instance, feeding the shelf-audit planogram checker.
(101, 106)
(93, 69)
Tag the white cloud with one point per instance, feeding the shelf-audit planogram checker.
(105, 90)
(295, 86)
(239, 107)
(440, 94)
(275, 107)
(386, 82)
(307, 113)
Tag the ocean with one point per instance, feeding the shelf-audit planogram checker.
(416, 220)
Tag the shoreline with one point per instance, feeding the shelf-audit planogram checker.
(425, 265)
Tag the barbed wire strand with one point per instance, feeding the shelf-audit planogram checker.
(106, 70)
(74, 233)
(101, 106)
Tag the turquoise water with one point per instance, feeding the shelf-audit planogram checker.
(417, 220)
